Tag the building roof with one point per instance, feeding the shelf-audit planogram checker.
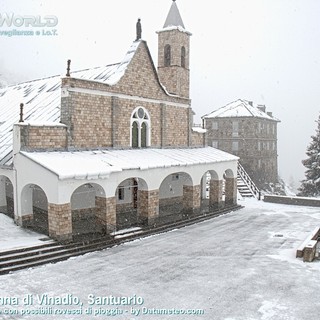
(100, 164)
(241, 108)
(42, 99)
(174, 17)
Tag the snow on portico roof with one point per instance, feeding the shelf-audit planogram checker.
(101, 163)
(240, 108)
(42, 99)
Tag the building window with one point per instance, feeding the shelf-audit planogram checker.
(167, 55)
(259, 163)
(235, 128)
(235, 145)
(215, 125)
(140, 128)
(183, 57)
(259, 146)
(215, 143)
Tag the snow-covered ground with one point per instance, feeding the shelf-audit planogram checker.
(13, 236)
(240, 266)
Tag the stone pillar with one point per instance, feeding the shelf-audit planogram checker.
(106, 213)
(231, 191)
(148, 206)
(191, 199)
(60, 221)
(215, 195)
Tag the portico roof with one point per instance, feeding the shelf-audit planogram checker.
(99, 164)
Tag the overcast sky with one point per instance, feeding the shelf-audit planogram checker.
(266, 51)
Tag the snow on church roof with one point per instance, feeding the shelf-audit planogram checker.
(99, 164)
(240, 108)
(42, 99)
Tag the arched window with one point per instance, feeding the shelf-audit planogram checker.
(183, 57)
(167, 55)
(140, 128)
(135, 135)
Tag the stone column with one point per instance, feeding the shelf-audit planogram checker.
(191, 199)
(215, 195)
(148, 206)
(231, 191)
(106, 214)
(60, 221)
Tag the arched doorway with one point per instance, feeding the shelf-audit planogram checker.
(85, 210)
(34, 208)
(6, 197)
(128, 203)
(211, 191)
(172, 197)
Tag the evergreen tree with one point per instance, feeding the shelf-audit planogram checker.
(310, 186)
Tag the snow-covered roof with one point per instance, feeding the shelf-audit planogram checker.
(42, 99)
(174, 17)
(174, 20)
(240, 108)
(101, 163)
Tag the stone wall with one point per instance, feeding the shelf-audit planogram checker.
(175, 78)
(148, 205)
(191, 198)
(60, 221)
(257, 144)
(299, 201)
(43, 137)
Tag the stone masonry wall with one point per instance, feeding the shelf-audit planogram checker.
(174, 77)
(43, 137)
(60, 221)
(148, 205)
(257, 144)
(191, 198)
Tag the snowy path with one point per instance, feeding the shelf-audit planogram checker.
(240, 266)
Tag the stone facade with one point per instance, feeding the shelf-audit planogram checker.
(44, 137)
(175, 76)
(252, 139)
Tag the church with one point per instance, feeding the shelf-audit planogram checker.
(113, 147)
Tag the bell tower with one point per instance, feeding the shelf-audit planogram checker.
(174, 53)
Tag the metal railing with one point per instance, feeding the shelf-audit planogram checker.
(248, 181)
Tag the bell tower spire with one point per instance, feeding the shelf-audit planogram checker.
(174, 53)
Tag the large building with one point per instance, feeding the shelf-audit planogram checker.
(111, 147)
(248, 131)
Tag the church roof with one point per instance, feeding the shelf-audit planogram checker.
(42, 99)
(99, 164)
(241, 108)
(174, 17)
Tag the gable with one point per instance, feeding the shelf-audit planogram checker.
(141, 77)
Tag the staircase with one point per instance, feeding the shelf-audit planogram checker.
(246, 186)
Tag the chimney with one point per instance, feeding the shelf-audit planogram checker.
(262, 107)
(250, 103)
(269, 113)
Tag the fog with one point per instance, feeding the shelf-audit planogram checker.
(266, 51)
